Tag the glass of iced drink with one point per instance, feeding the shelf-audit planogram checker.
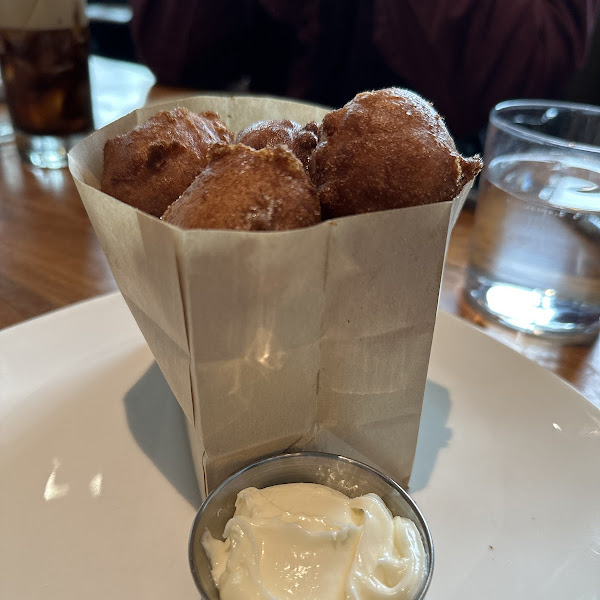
(44, 46)
(535, 254)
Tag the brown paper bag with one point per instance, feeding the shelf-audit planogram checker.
(315, 338)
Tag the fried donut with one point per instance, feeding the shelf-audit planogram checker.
(268, 134)
(248, 190)
(386, 149)
(150, 166)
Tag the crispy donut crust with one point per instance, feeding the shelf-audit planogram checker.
(386, 149)
(248, 190)
(302, 141)
(150, 166)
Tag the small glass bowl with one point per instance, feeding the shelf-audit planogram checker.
(345, 475)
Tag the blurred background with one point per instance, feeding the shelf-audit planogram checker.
(112, 36)
(110, 24)
(110, 30)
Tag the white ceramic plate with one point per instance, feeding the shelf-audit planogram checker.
(97, 491)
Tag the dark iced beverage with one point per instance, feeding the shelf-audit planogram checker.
(47, 87)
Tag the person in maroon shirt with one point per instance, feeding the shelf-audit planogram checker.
(463, 55)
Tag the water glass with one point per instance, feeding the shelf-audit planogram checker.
(535, 255)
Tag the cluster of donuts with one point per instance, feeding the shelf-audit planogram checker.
(384, 149)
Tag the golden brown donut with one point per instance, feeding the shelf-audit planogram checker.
(248, 190)
(150, 166)
(386, 149)
(268, 134)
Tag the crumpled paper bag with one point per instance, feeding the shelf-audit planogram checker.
(315, 338)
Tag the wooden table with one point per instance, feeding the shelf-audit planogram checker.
(50, 257)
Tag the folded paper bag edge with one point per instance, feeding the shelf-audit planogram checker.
(129, 240)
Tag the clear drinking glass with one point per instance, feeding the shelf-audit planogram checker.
(44, 58)
(535, 254)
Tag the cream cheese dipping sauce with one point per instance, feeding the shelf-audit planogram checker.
(305, 541)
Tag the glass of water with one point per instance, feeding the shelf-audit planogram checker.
(535, 254)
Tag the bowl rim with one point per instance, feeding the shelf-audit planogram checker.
(424, 528)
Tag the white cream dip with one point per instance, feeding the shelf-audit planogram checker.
(305, 541)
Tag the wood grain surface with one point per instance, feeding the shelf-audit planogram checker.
(50, 258)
